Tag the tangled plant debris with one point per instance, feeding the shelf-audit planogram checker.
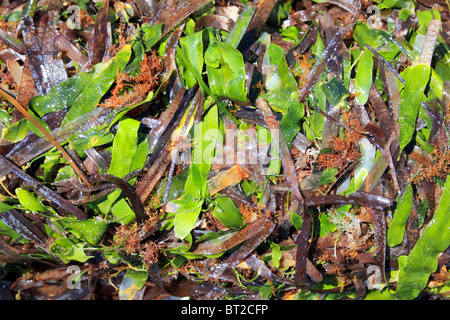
(283, 150)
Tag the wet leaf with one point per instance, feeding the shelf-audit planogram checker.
(5, 207)
(327, 129)
(190, 203)
(226, 71)
(241, 25)
(192, 47)
(91, 230)
(67, 251)
(89, 139)
(227, 213)
(279, 81)
(186, 216)
(83, 92)
(363, 79)
(273, 161)
(195, 183)
(276, 254)
(206, 134)
(122, 154)
(145, 38)
(296, 220)
(415, 269)
(335, 92)
(326, 226)
(16, 132)
(396, 230)
(290, 123)
(29, 200)
(64, 173)
(385, 4)
(378, 39)
(416, 80)
(132, 282)
(328, 176)
(125, 158)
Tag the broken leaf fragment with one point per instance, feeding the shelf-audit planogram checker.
(226, 178)
(186, 216)
(227, 213)
(328, 176)
(132, 282)
(29, 200)
(16, 132)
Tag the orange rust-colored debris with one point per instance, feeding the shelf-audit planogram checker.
(6, 78)
(345, 148)
(150, 253)
(259, 85)
(9, 26)
(305, 64)
(226, 178)
(439, 168)
(85, 19)
(213, 224)
(133, 89)
(249, 213)
(129, 236)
